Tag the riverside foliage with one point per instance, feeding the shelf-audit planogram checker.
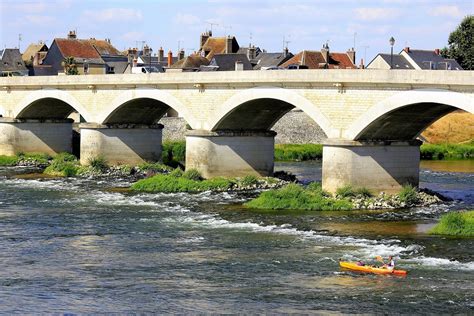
(296, 197)
(455, 224)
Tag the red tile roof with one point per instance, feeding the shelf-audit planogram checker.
(76, 48)
(104, 47)
(217, 45)
(315, 60)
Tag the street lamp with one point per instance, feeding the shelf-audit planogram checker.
(392, 42)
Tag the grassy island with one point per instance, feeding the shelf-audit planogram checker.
(455, 224)
(296, 197)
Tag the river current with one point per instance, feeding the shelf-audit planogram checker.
(79, 246)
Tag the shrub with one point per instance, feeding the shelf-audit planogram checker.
(192, 174)
(345, 191)
(156, 167)
(294, 196)
(173, 152)
(176, 173)
(298, 152)
(455, 224)
(170, 183)
(99, 164)
(63, 164)
(249, 180)
(40, 158)
(408, 194)
(446, 151)
(8, 160)
(363, 192)
(317, 188)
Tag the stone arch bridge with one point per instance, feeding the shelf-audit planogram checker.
(371, 117)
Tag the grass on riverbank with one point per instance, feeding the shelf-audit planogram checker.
(298, 152)
(447, 151)
(63, 165)
(36, 158)
(296, 197)
(455, 224)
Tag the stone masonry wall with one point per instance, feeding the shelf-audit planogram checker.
(294, 128)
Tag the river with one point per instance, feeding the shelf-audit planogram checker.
(75, 246)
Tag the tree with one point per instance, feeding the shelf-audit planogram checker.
(70, 67)
(460, 44)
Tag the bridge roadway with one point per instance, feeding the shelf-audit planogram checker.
(371, 117)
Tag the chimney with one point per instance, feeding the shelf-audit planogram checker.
(352, 55)
(36, 59)
(285, 52)
(325, 52)
(181, 54)
(203, 38)
(251, 52)
(228, 45)
(147, 50)
(71, 35)
(436, 51)
(407, 49)
(161, 54)
(362, 66)
(239, 66)
(170, 58)
(135, 62)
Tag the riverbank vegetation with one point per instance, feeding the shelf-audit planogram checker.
(191, 181)
(25, 159)
(312, 197)
(298, 152)
(447, 151)
(455, 224)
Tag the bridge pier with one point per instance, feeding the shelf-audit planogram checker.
(120, 144)
(230, 153)
(378, 166)
(40, 136)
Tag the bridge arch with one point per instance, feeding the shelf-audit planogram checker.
(142, 106)
(239, 111)
(49, 104)
(405, 115)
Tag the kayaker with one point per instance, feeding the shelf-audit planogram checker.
(390, 264)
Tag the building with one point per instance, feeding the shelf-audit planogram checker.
(34, 54)
(414, 59)
(11, 63)
(323, 59)
(210, 46)
(264, 60)
(91, 56)
(229, 62)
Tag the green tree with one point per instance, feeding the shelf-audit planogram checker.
(70, 67)
(460, 44)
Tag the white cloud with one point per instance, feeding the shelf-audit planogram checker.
(373, 14)
(187, 19)
(446, 10)
(113, 14)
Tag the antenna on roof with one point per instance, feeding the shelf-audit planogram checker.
(285, 42)
(227, 27)
(211, 25)
(250, 39)
(355, 35)
(179, 45)
(365, 52)
(19, 40)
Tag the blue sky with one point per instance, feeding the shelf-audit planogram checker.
(422, 24)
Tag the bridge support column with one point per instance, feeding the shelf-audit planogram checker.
(378, 166)
(230, 153)
(40, 136)
(121, 144)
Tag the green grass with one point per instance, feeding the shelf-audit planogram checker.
(177, 182)
(455, 224)
(447, 151)
(173, 153)
(99, 164)
(408, 194)
(40, 158)
(296, 197)
(298, 152)
(9, 160)
(63, 165)
(154, 166)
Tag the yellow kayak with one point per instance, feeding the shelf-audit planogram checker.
(370, 269)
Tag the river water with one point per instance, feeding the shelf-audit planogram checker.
(75, 246)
